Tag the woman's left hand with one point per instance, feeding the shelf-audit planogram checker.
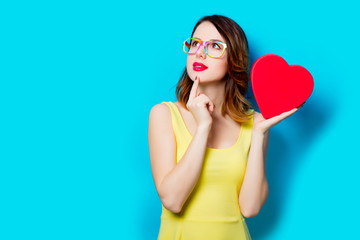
(263, 125)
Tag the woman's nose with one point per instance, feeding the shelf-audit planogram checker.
(201, 51)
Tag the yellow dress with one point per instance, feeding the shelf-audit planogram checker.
(212, 210)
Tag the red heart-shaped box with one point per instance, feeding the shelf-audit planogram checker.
(279, 87)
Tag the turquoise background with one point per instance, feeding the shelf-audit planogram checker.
(78, 80)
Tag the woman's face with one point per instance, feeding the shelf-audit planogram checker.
(216, 67)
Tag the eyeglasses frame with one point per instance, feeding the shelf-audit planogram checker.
(204, 43)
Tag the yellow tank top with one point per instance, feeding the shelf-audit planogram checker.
(212, 210)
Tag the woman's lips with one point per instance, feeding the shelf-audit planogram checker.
(199, 66)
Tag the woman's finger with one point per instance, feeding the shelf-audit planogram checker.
(287, 114)
(194, 88)
(208, 103)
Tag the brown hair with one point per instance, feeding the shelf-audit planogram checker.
(237, 77)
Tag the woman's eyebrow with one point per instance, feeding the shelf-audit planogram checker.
(210, 39)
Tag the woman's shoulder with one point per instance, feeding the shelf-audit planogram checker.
(160, 108)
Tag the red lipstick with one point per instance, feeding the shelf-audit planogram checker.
(199, 66)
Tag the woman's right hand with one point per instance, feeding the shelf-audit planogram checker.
(200, 105)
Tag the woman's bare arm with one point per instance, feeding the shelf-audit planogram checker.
(254, 190)
(174, 182)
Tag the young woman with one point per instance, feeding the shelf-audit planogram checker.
(208, 149)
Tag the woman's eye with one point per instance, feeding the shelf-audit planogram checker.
(195, 43)
(215, 45)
